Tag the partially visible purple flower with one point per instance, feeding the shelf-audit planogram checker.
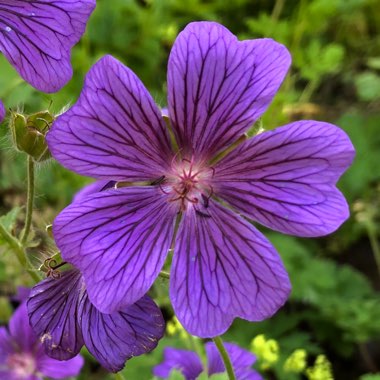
(36, 36)
(63, 317)
(222, 266)
(2, 111)
(190, 365)
(22, 295)
(22, 356)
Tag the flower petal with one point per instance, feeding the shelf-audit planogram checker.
(224, 268)
(37, 36)
(53, 308)
(187, 362)
(2, 111)
(242, 361)
(218, 86)
(115, 131)
(93, 188)
(111, 338)
(56, 369)
(119, 239)
(115, 338)
(6, 345)
(20, 330)
(285, 179)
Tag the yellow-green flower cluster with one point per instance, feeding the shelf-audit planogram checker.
(321, 370)
(174, 327)
(296, 362)
(266, 350)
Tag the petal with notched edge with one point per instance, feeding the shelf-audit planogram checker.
(224, 268)
(117, 337)
(111, 338)
(285, 179)
(115, 131)
(36, 36)
(218, 86)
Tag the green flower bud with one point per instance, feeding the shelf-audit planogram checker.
(29, 132)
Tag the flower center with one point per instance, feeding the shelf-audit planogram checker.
(21, 364)
(188, 183)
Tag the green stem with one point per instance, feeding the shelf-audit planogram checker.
(30, 201)
(374, 245)
(226, 359)
(119, 376)
(17, 248)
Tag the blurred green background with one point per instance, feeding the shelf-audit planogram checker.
(335, 44)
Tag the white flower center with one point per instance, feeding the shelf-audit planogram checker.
(22, 364)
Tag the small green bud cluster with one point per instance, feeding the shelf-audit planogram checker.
(28, 133)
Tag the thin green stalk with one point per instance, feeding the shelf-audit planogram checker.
(374, 245)
(29, 202)
(119, 376)
(17, 248)
(226, 359)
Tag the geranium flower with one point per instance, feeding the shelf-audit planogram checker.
(190, 365)
(191, 185)
(22, 356)
(36, 36)
(63, 317)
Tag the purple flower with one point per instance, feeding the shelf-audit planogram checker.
(22, 356)
(222, 267)
(65, 320)
(2, 112)
(36, 36)
(190, 365)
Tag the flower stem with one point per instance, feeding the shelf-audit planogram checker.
(119, 376)
(374, 245)
(30, 201)
(226, 359)
(17, 248)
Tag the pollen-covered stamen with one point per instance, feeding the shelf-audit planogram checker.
(189, 182)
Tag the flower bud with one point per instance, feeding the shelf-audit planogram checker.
(29, 132)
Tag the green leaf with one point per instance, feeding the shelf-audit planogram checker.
(8, 220)
(368, 86)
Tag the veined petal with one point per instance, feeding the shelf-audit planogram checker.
(2, 111)
(115, 131)
(187, 362)
(111, 338)
(119, 239)
(115, 338)
(218, 86)
(53, 310)
(242, 361)
(93, 188)
(37, 35)
(285, 178)
(224, 268)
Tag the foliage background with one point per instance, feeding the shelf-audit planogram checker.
(335, 76)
